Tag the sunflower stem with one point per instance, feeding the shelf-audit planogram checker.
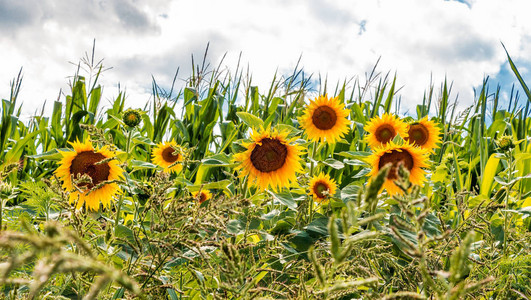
(310, 199)
(118, 209)
(128, 145)
(314, 152)
(509, 187)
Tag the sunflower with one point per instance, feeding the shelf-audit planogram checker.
(425, 134)
(383, 130)
(325, 119)
(412, 157)
(202, 195)
(85, 161)
(167, 156)
(321, 183)
(271, 159)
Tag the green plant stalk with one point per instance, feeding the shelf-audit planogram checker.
(509, 187)
(118, 209)
(310, 198)
(1, 212)
(128, 145)
(314, 151)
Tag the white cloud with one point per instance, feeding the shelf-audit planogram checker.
(418, 39)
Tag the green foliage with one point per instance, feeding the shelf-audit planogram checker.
(463, 234)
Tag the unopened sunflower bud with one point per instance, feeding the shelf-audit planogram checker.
(132, 117)
(505, 143)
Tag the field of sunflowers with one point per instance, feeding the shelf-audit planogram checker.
(298, 190)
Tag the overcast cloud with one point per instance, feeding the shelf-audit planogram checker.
(417, 39)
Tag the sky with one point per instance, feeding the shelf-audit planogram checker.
(418, 40)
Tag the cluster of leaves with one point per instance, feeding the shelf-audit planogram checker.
(465, 233)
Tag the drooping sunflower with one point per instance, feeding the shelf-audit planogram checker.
(165, 155)
(425, 134)
(271, 159)
(85, 161)
(383, 130)
(325, 119)
(321, 183)
(412, 157)
(202, 195)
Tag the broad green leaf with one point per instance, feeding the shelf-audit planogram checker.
(336, 164)
(250, 120)
(488, 175)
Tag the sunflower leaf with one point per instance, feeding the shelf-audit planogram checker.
(250, 120)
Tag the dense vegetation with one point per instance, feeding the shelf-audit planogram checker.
(463, 233)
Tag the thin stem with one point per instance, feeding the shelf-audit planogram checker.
(128, 145)
(118, 209)
(310, 198)
(314, 151)
(1, 212)
(509, 187)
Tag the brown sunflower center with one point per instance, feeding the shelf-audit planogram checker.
(269, 157)
(319, 188)
(168, 156)
(324, 118)
(385, 133)
(396, 157)
(202, 197)
(85, 164)
(418, 134)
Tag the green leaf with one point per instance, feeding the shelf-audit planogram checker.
(250, 120)
(488, 175)
(235, 227)
(217, 160)
(50, 155)
(350, 192)
(286, 198)
(336, 164)
(139, 164)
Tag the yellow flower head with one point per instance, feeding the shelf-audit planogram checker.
(325, 119)
(321, 183)
(271, 159)
(85, 162)
(167, 156)
(383, 130)
(412, 157)
(202, 195)
(425, 134)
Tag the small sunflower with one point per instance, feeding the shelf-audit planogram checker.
(85, 161)
(325, 119)
(383, 130)
(424, 133)
(412, 157)
(202, 195)
(167, 156)
(321, 183)
(271, 159)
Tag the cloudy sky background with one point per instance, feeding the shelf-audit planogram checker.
(417, 39)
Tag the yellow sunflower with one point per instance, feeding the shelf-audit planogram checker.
(166, 155)
(412, 157)
(383, 130)
(202, 195)
(84, 162)
(321, 183)
(425, 134)
(271, 159)
(325, 119)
